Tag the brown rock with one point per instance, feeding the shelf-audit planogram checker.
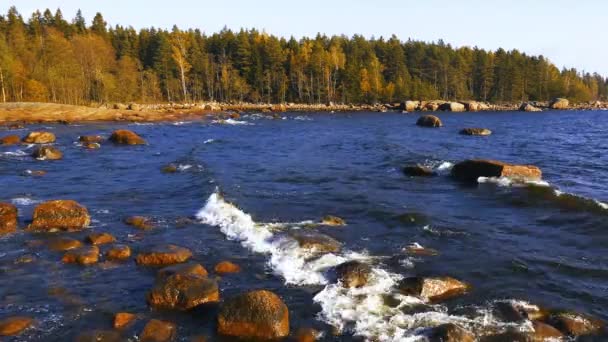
(126, 137)
(13, 326)
(418, 171)
(429, 121)
(527, 107)
(189, 268)
(450, 333)
(140, 222)
(353, 273)
(543, 331)
(39, 138)
(122, 319)
(158, 331)
(306, 335)
(91, 139)
(100, 238)
(452, 107)
(410, 106)
(10, 140)
(99, 336)
(65, 215)
(63, 244)
(47, 153)
(256, 314)
(575, 324)
(118, 252)
(316, 242)
(91, 146)
(333, 221)
(471, 170)
(164, 255)
(227, 267)
(171, 168)
(432, 289)
(85, 256)
(183, 292)
(559, 103)
(8, 218)
(36, 173)
(476, 131)
(418, 250)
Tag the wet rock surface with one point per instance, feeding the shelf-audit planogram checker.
(183, 292)
(60, 215)
(353, 273)
(471, 170)
(316, 242)
(226, 267)
(84, 255)
(126, 137)
(47, 153)
(158, 331)
(118, 253)
(12, 326)
(418, 171)
(39, 138)
(163, 255)
(8, 218)
(429, 121)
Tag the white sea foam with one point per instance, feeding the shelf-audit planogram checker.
(18, 153)
(209, 141)
(231, 122)
(303, 118)
(24, 201)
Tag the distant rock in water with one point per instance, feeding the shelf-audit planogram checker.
(559, 103)
(164, 255)
(475, 131)
(527, 107)
(39, 138)
(353, 273)
(316, 242)
(91, 139)
(126, 137)
(471, 170)
(8, 218)
(333, 221)
(429, 121)
(433, 289)
(10, 140)
(60, 215)
(418, 171)
(452, 107)
(47, 153)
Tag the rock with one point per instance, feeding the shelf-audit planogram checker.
(64, 215)
(575, 324)
(234, 116)
(122, 319)
(410, 106)
(15, 125)
(559, 103)
(91, 146)
(99, 336)
(452, 107)
(432, 289)
(164, 255)
(475, 131)
(84, 256)
(432, 105)
(510, 335)
(183, 292)
(450, 332)
(126, 137)
(119, 106)
(353, 273)
(158, 331)
(429, 121)
(472, 106)
(8, 218)
(225, 267)
(507, 312)
(91, 139)
(10, 140)
(417, 250)
(316, 242)
(39, 138)
(47, 153)
(13, 326)
(527, 107)
(307, 335)
(63, 244)
(471, 170)
(118, 252)
(418, 171)
(140, 222)
(543, 332)
(256, 314)
(278, 108)
(134, 106)
(330, 220)
(171, 168)
(100, 238)
(190, 268)
(35, 173)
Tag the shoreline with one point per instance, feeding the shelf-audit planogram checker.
(38, 112)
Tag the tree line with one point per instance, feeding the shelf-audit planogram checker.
(48, 58)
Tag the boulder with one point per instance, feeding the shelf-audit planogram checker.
(47, 153)
(100, 238)
(575, 324)
(226, 267)
(559, 103)
(429, 121)
(140, 222)
(158, 331)
(84, 256)
(450, 332)
(118, 252)
(126, 137)
(8, 218)
(527, 107)
(164, 255)
(91, 146)
(472, 106)
(452, 107)
(353, 273)
(307, 335)
(13, 326)
(257, 314)
(62, 244)
(432, 289)
(190, 268)
(316, 243)
(544, 332)
(418, 171)
(60, 215)
(10, 140)
(333, 221)
(183, 292)
(99, 336)
(475, 131)
(471, 170)
(39, 138)
(119, 106)
(433, 105)
(134, 106)
(122, 319)
(410, 106)
(91, 139)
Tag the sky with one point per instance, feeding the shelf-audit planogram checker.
(570, 33)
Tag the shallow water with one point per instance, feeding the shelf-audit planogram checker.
(543, 244)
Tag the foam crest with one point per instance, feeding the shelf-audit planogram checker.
(231, 122)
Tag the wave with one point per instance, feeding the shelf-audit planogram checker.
(231, 122)
(363, 311)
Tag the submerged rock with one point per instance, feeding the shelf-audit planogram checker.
(475, 131)
(316, 242)
(256, 314)
(158, 331)
(164, 255)
(330, 220)
(575, 324)
(91, 146)
(122, 319)
(91, 139)
(171, 168)
(559, 103)
(471, 170)
(118, 252)
(10, 140)
(39, 138)
(140, 222)
(432, 289)
(13, 326)
(84, 256)
(8, 218)
(353, 273)
(544, 332)
(47, 153)
(226, 267)
(429, 121)
(450, 332)
(99, 336)
(183, 292)
(126, 137)
(418, 171)
(418, 250)
(60, 215)
(307, 335)
(63, 244)
(100, 238)
(190, 268)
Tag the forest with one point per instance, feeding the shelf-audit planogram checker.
(47, 58)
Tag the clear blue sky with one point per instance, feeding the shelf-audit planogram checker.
(570, 33)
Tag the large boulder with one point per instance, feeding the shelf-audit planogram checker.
(8, 218)
(126, 137)
(183, 292)
(527, 107)
(475, 131)
(316, 243)
(472, 106)
(13, 326)
(164, 255)
(410, 106)
(257, 314)
(429, 121)
(559, 103)
(544, 332)
(39, 138)
(432, 289)
(432, 106)
(452, 107)
(47, 153)
(471, 170)
(60, 215)
(10, 140)
(353, 273)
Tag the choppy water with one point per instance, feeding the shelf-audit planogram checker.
(543, 244)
